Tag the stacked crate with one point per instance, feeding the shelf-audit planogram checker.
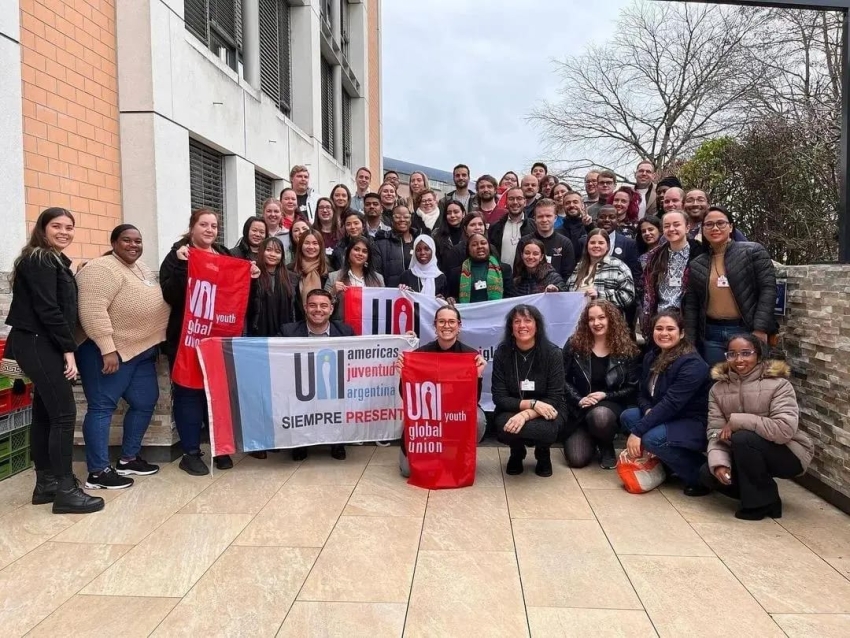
(15, 419)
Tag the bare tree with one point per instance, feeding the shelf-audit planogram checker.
(673, 76)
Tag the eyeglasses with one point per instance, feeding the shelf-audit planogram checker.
(741, 354)
(721, 225)
(605, 182)
(516, 199)
(451, 323)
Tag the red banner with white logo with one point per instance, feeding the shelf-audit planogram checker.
(439, 394)
(216, 300)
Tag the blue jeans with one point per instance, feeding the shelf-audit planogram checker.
(683, 462)
(189, 408)
(717, 335)
(135, 382)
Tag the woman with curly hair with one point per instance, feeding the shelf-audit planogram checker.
(534, 274)
(601, 369)
(670, 421)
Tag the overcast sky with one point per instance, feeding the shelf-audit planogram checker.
(460, 76)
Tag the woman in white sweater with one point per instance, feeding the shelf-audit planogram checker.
(124, 316)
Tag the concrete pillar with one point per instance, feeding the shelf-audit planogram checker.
(251, 42)
(239, 196)
(13, 215)
(306, 56)
(156, 194)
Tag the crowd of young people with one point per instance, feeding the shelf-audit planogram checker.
(656, 263)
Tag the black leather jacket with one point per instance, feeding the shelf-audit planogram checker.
(621, 381)
(752, 279)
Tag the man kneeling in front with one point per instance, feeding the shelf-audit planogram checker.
(318, 309)
(447, 323)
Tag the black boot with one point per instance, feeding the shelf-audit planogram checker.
(514, 466)
(45, 487)
(70, 499)
(544, 461)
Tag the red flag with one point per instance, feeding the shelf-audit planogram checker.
(352, 309)
(440, 398)
(216, 299)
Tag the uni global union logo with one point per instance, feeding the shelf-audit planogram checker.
(325, 378)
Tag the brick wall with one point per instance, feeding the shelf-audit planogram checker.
(816, 337)
(373, 53)
(70, 112)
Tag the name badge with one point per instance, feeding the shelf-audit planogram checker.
(722, 282)
(481, 285)
(526, 386)
(548, 259)
(675, 282)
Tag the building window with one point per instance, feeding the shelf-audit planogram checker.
(275, 65)
(217, 23)
(346, 129)
(344, 28)
(263, 190)
(206, 181)
(327, 13)
(328, 100)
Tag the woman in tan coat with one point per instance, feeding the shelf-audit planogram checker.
(753, 433)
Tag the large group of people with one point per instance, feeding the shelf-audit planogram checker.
(673, 291)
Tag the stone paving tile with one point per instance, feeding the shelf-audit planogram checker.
(29, 593)
(339, 548)
(98, 616)
(466, 594)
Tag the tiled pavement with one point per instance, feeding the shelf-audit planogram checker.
(329, 548)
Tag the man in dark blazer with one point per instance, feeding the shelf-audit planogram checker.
(318, 309)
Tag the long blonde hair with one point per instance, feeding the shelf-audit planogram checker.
(414, 200)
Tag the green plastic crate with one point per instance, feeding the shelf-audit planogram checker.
(15, 463)
(14, 452)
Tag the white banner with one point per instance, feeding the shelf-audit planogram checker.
(391, 311)
(283, 393)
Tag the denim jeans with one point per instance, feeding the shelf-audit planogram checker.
(683, 462)
(54, 410)
(135, 382)
(717, 335)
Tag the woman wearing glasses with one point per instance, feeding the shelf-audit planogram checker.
(731, 289)
(752, 429)
(447, 323)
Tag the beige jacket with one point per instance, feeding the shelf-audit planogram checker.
(764, 402)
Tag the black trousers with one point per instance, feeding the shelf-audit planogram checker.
(537, 432)
(54, 410)
(755, 463)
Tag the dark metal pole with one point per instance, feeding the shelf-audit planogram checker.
(843, 165)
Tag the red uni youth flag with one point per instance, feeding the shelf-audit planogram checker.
(216, 299)
(440, 398)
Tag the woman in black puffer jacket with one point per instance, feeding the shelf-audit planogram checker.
(731, 289)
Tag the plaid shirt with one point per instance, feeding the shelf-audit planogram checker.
(613, 281)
